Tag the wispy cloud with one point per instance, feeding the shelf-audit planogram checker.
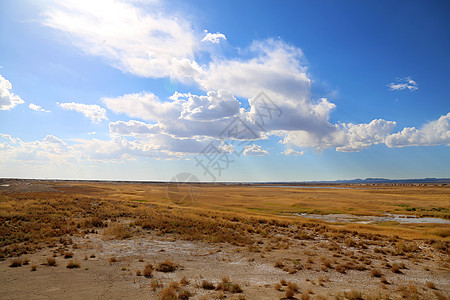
(91, 111)
(403, 84)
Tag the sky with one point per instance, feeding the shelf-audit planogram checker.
(224, 90)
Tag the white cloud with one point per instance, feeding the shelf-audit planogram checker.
(254, 150)
(143, 42)
(433, 133)
(8, 100)
(213, 37)
(37, 108)
(292, 152)
(91, 111)
(344, 137)
(402, 84)
(132, 128)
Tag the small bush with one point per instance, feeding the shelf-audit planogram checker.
(138, 273)
(184, 294)
(166, 267)
(289, 294)
(292, 286)
(431, 285)
(277, 286)
(155, 284)
(167, 294)
(51, 262)
(207, 285)
(68, 254)
(73, 265)
(148, 270)
(33, 268)
(283, 282)
(376, 273)
(112, 259)
(279, 265)
(16, 263)
(384, 280)
(395, 268)
(184, 281)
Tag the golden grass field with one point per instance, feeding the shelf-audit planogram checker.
(70, 219)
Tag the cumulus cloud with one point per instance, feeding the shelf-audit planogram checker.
(402, 84)
(91, 111)
(292, 152)
(37, 108)
(255, 150)
(8, 100)
(433, 133)
(213, 37)
(343, 137)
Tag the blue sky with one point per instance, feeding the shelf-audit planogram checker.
(143, 90)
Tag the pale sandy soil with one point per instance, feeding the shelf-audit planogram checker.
(97, 278)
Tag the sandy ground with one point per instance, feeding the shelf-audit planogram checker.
(97, 278)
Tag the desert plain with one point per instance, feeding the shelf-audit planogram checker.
(137, 240)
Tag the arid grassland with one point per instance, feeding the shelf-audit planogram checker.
(106, 240)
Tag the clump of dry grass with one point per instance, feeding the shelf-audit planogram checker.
(384, 280)
(155, 284)
(227, 286)
(68, 254)
(51, 262)
(73, 264)
(184, 294)
(33, 268)
(166, 266)
(112, 259)
(376, 273)
(148, 270)
(184, 281)
(279, 264)
(431, 285)
(206, 285)
(289, 294)
(16, 263)
(168, 294)
(119, 231)
(138, 273)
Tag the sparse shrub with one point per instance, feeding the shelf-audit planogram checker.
(277, 286)
(184, 281)
(154, 284)
(112, 259)
(33, 268)
(166, 267)
(306, 296)
(207, 285)
(167, 294)
(15, 263)
(148, 270)
(384, 280)
(431, 285)
(68, 254)
(283, 282)
(73, 265)
(119, 231)
(292, 286)
(92, 256)
(138, 273)
(289, 294)
(51, 262)
(184, 294)
(279, 264)
(25, 261)
(395, 268)
(376, 273)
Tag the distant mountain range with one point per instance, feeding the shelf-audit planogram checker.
(370, 180)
